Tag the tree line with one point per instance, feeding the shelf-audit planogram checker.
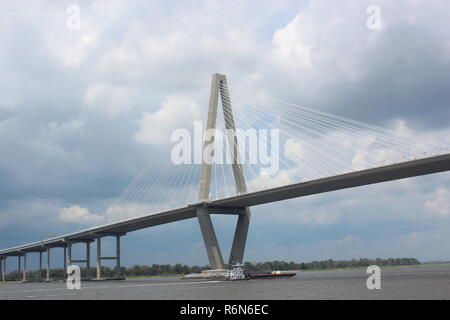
(328, 264)
(180, 269)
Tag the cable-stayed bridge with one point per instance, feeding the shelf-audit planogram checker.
(309, 152)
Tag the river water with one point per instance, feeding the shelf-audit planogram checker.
(417, 282)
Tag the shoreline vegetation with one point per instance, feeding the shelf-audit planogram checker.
(179, 270)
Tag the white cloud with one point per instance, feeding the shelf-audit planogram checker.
(291, 46)
(110, 99)
(440, 205)
(175, 112)
(347, 240)
(76, 214)
(294, 150)
(72, 52)
(126, 211)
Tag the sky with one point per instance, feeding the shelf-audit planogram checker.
(90, 92)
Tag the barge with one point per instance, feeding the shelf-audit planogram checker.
(237, 272)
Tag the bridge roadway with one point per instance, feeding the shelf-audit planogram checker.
(236, 204)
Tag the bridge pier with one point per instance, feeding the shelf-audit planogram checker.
(240, 238)
(100, 257)
(40, 265)
(99, 254)
(210, 239)
(47, 248)
(65, 261)
(241, 230)
(24, 269)
(48, 264)
(88, 259)
(117, 256)
(19, 267)
(3, 267)
(68, 257)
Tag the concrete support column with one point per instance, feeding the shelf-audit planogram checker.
(48, 264)
(1, 268)
(118, 255)
(210, 239)
(19, 267)
(99, 255)
(4, 269)
(88, 259)
(65, 258)
(24, 275)
(240, 238)
(65, 262)
(205, 174)
(206, 226)
(40, 265)
(69, 254)
(240, 234)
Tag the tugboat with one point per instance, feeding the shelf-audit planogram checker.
(237, 272)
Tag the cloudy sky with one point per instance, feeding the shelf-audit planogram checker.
(83, 107)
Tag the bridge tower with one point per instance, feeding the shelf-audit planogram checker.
(219, 87)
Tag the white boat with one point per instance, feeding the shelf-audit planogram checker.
(236, 272)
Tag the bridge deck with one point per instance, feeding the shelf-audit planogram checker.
(397, 171)
(348, 180)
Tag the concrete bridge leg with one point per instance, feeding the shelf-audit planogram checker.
(24, 274)
(240, 234)
(19, 267)
(65, 262)
(99, 255)
(240, 238)
(1, 268)
(68, 258)
(118, 256)
(100, 258)
(4, 269)
(206, 226)
(210, 239)
(69, 255)
(40, 265)
(48, 265)
(88, 259)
